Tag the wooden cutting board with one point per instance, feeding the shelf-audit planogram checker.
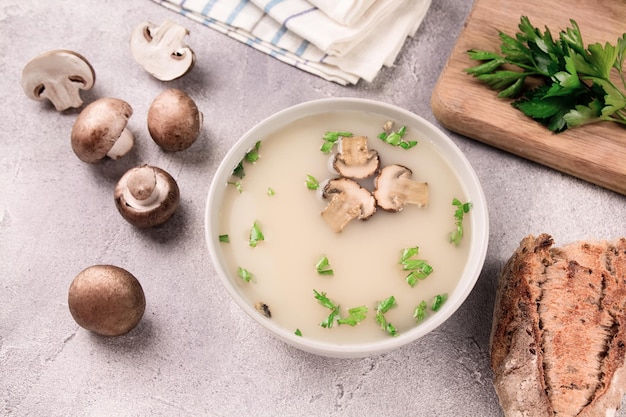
(595, 153)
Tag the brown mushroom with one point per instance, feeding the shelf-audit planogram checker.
(393, 188)
(100, 130)
(348, 200)
(107, 300)
(174, 121)
(146, 196)
(355, 160)
(58, 76)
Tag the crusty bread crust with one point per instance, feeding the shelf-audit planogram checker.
(558, 339)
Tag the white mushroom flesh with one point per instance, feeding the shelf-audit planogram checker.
(159, 185)
(348, 201)
(394, 188)
(58, 76)
(161, 50)
(354, 159)
(122, 145)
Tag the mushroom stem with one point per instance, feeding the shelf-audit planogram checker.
(122, 146)
(145, 190)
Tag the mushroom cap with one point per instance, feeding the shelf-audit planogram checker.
(393, 188)
(146, 196)
(98, 127)
(354, 159)
(107, 300)
(58, 76)
(348, 201)
(174, 121)
(161, 51)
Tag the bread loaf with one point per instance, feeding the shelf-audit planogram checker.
(558, 340)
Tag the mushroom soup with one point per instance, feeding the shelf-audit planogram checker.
(274, 236)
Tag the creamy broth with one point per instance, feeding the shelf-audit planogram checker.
(364, 256)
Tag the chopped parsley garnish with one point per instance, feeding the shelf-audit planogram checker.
(334, 309)
(396, 138)
(298, 332)
(418, 268)
(224, 238)
(244, 274)
(270, 191)
(355, 315)
(382, 308)
(255, 235)
(323, 266)
(251, 156)
(239, 171)
(461, 209)
(576, 87)
(438, 301)
(237, 185)
(421, 310)
(311, 182)
(330, 138)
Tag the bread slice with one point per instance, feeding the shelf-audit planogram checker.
(558, 340)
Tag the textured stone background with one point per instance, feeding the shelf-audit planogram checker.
(195, 353)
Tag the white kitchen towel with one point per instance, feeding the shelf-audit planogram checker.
(346, 12)
(310, 23)
(247, 22)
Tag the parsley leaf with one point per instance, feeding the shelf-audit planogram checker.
(323, 267)
(382, 308)
(330, 138)
(575, 86)
(334, 309)
(418, 268)
(461, 209)
(312, 183)
(256, 235)
(355, 315)
(244, 274)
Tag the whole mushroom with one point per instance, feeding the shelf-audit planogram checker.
(100, 130)
(107, 300)
(146, 196)
(174, 121)
(58, 76)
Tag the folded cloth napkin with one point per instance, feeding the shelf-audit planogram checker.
(346, 12)
(298, 33)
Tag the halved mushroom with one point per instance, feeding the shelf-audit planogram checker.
(174, 121)
(348, 200)
(393, 188)
(146, 196)
(161, 51)
(58, 76)
(355, 160)
(100, 130)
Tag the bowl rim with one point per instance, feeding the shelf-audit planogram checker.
(479, 219)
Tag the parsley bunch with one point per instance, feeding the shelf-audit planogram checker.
(577, 88)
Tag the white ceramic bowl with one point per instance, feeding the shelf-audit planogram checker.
(478, 220)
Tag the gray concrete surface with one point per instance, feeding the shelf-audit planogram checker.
(195, 353)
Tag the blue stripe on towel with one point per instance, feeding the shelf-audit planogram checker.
(303, 47)
(236, 11)
(208, 6)
(271, 4)
(312, 9)
(279, 34)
